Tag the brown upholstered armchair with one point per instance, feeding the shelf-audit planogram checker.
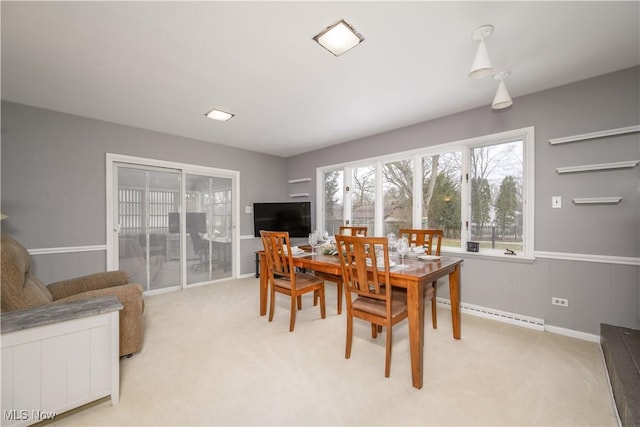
(21, 291)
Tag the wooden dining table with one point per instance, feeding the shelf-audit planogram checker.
(414, 278)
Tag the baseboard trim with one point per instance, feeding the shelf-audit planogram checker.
(572, 333)
(518, 320)
(499, 315)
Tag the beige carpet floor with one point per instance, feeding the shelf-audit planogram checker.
(210, 359)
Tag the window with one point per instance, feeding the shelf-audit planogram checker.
(397, 185)
(333, 201)
(496, 196)
(363, 196)
(441, 196)
(478, 190)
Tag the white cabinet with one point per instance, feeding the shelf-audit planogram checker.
(59, 357)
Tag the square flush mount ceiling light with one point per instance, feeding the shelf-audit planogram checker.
(221, 116)
(339, 38)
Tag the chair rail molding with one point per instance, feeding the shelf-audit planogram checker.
(67, 250)
(606, 259)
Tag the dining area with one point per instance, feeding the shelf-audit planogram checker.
(383, 281)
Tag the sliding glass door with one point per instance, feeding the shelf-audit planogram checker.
(208, 227)
(146, 199)
(172, 227)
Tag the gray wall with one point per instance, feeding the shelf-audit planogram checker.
(54, 190)
(597, 291)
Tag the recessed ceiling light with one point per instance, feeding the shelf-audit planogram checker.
(219, 115)
(339, 38)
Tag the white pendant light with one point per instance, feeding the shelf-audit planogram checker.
(502, 98)
(481, 66)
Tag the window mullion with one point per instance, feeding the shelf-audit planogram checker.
(348, 191)
(465, 197)
(417, 191)
(379, 203)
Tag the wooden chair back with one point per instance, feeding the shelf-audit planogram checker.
(353, 230)
(358, 258)
(277, 251)
(430, 239)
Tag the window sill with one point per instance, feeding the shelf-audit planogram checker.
(489, 254)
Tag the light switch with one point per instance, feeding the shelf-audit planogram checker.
(248, 209)
(556, 202)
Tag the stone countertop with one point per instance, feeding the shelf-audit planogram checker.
(13, 321)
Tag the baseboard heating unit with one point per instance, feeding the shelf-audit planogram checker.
(501, 316)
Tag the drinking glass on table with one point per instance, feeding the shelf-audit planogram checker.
(391, 238)
(313, 241)
(403, 249)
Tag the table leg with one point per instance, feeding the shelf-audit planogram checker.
(415, 303)
(264, 281)
(454, 291)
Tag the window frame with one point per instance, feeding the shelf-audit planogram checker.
(526, 134)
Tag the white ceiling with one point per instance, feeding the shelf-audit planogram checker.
(163, 65)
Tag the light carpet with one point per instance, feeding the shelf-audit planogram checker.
(210, 359)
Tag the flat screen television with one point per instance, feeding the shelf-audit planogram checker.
(196, 221)
(294, 217)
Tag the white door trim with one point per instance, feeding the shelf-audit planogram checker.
(112, 158)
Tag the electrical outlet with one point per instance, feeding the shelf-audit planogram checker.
(556, 202)
(562, 302)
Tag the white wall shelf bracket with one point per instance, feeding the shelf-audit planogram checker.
(599, 166)
(597, 200)
(593, 135)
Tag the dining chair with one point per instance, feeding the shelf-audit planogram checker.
(369, 297)
(431, 240)
(353, 230)
(349, 231)
(283, 277)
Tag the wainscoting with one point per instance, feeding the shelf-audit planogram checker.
(598, 290)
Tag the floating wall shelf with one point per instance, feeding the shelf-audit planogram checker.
(299, 195)
(593, 135)
(293, 181)
(599, 166)
(597, 200)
